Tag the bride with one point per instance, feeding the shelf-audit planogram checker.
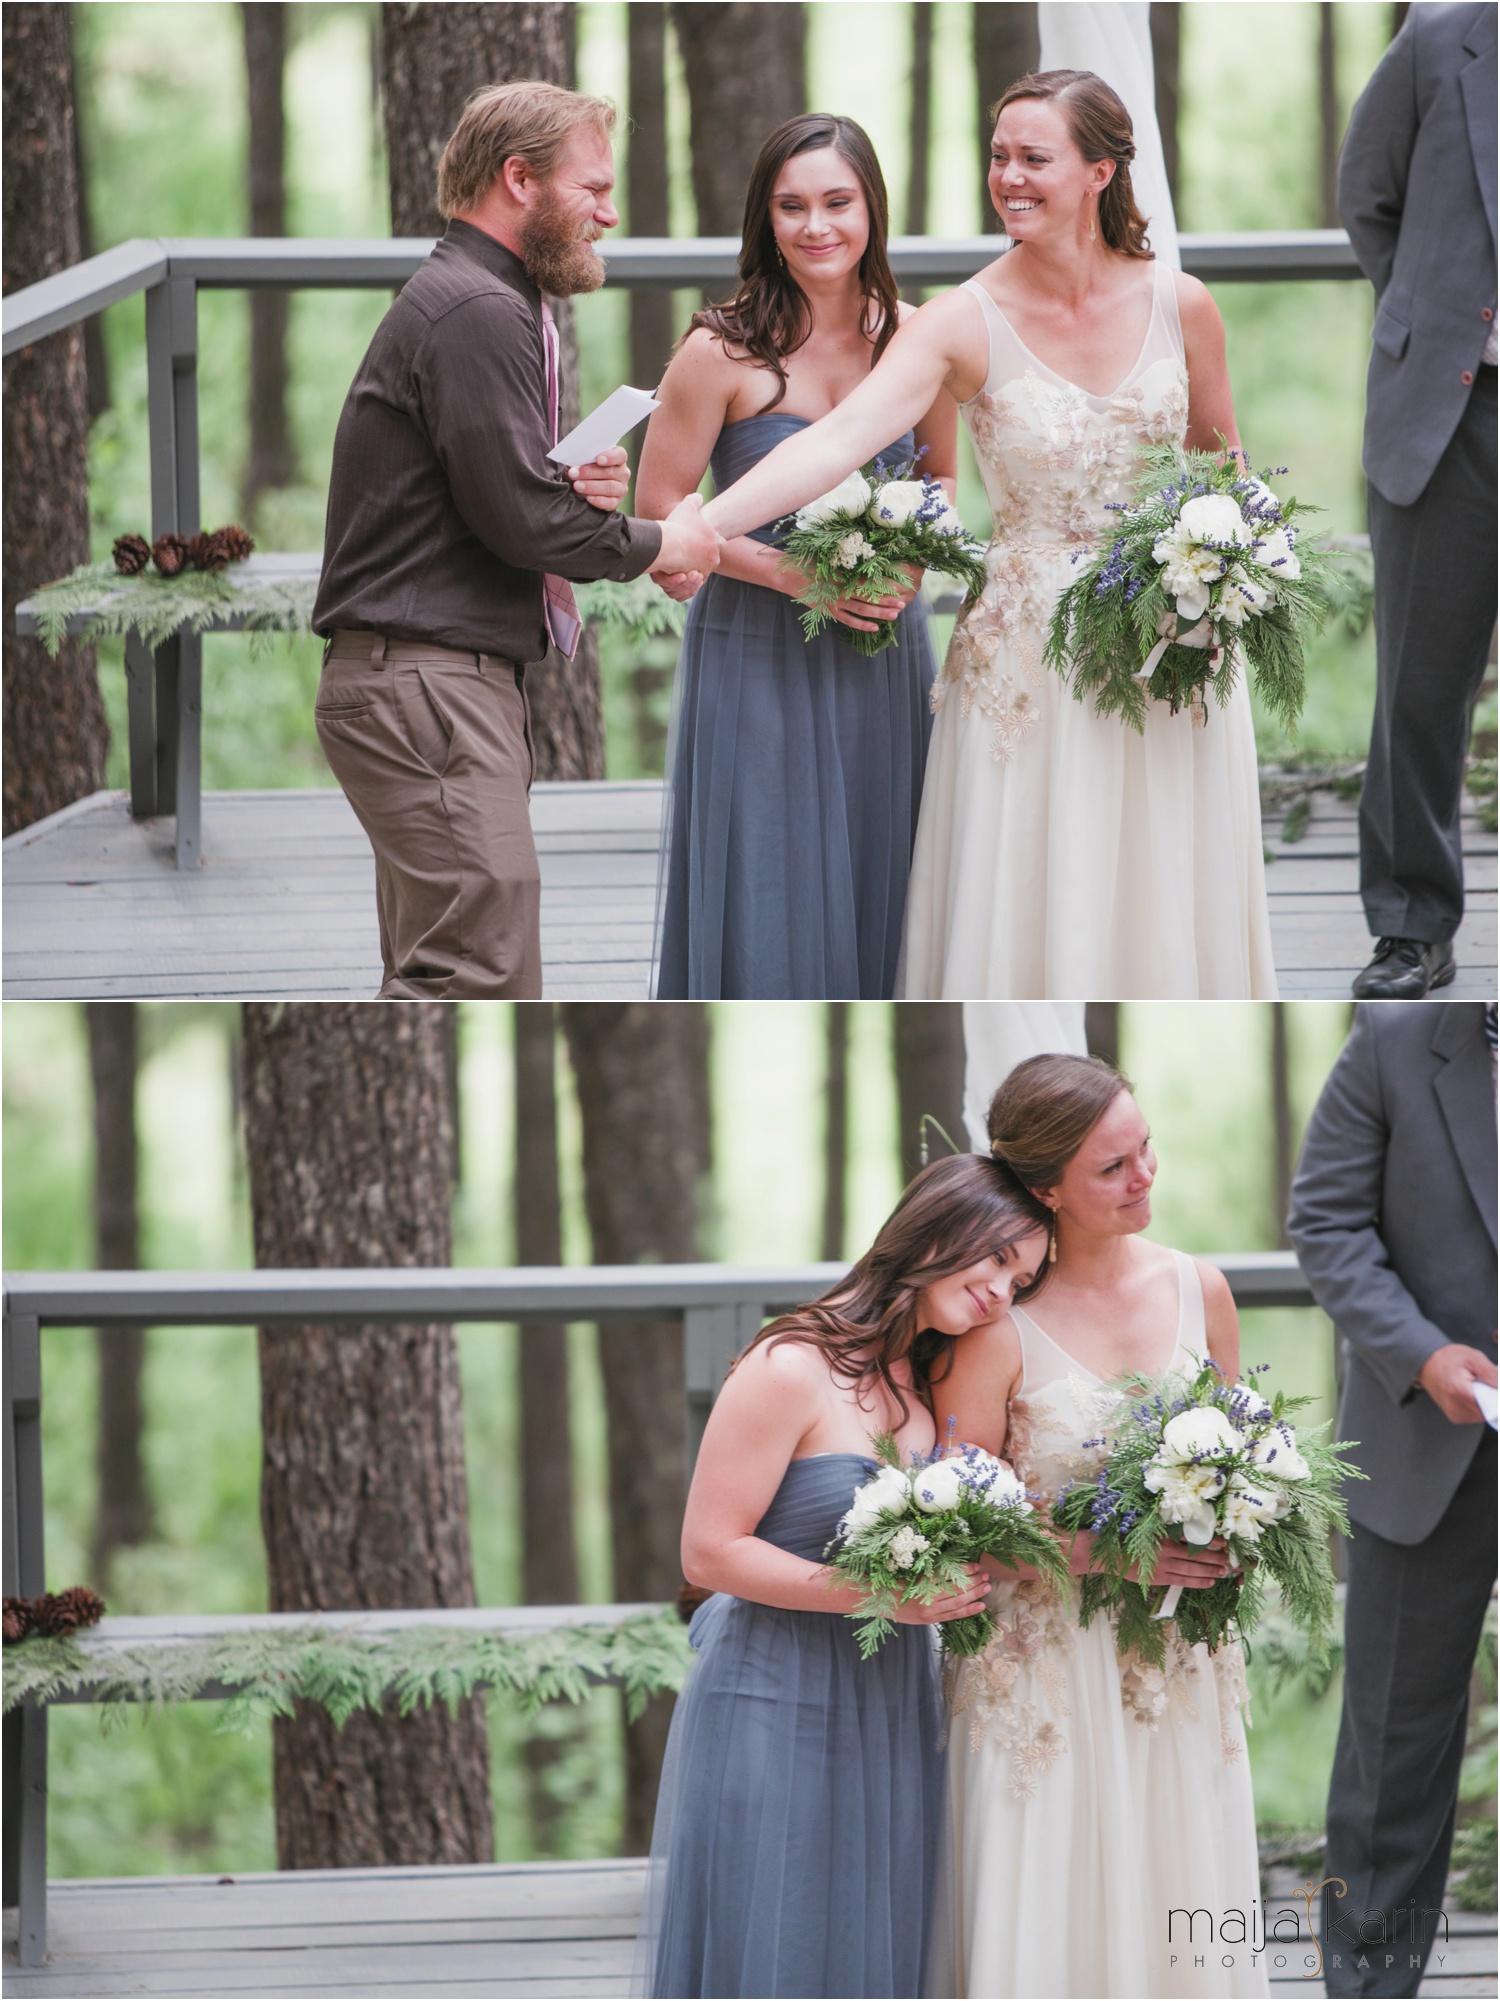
(1058, 1748)
(1059, 855)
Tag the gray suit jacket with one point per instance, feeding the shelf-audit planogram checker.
(1417, 196)
(1393, 1217)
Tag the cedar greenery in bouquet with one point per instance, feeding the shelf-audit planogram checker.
(856, 542)
(1191, 1459)
(912, 1531)
(1207, 570)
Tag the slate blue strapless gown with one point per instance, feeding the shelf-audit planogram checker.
(797, 1827)
(795, 780)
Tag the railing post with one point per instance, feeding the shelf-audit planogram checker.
(25, 1864)
(711, 1338)
(172, 402)
(140, 698)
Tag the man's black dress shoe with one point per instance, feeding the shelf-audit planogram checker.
(1405, 969)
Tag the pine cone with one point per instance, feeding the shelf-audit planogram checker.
(15, 1621)
(237, 544)
(170, 554)
(68, 1610)
(202, 553)
(132, 554)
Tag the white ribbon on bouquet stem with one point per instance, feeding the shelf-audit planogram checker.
(1201, 634)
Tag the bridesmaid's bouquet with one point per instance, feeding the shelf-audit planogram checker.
(1207, 568)
(911, 1532)
(856, 541)
(1189, 1460)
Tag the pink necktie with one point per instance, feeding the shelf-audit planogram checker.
(564, 626)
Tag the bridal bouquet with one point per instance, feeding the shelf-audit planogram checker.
(912, 1530)
(1207, 568)
(855, 541)
(1194, 1459)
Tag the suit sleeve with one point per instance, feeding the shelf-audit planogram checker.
(480, 377)
(1376, 159)
(1335, 1221)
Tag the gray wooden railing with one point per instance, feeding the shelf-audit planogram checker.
(165, 690)
(719, 1307)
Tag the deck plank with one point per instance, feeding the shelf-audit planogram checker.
(284, 902)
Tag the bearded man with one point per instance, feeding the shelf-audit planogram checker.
(451, 539)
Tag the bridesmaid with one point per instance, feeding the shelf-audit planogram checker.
(797, 768)
(796, 1831)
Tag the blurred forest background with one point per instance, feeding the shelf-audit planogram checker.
(798, 1139)
(1254, 99)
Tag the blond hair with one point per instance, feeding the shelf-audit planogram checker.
(528, 121)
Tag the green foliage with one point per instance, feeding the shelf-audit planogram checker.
(270, 1669)
(908, 1555)
(154, 607)
(1124, 1513)
(1109, 622)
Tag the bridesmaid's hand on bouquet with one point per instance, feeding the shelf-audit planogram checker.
(1189, 1564)
(951, 1605)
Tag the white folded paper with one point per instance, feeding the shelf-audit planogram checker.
(620, 412)
(1484, 1396)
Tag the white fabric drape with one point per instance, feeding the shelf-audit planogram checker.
(1114, 41)
(1000, 1034)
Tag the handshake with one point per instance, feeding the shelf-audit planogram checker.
(689, 547)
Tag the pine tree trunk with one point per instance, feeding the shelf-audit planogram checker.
(929, 1079)
(363, 1497)
(1101, 1030)
(273, 457)
(919, 128)
(124, 1516)
(54, 734)
(836, 1131)
(95, 353)
(549, 1560)
(432, 58)
(1007, 44)
(1328, 118)
(646, 187)
(1166, 63)
(642, 1074)
(746, 69)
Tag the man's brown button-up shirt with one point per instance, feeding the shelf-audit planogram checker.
(443, 507)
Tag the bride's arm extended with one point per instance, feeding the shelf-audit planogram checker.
(942, 347)
(1210, 398)
(759, 1423)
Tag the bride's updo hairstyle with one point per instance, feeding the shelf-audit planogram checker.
(768, 319)
(1100, 128)
(955, 1213)
(1045, 1110)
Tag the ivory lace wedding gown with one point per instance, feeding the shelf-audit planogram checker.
(1059, 855)
(1092, 1796)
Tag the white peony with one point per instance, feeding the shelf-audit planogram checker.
(1245, 1511)
(1277, 1455)
(888, 1493)
(851, 496)
(1203, 1430)
(1213, 517)
(852, 549)
(1250, 1407)
(1276, 552)
(897, 501)
(1188, 1495)
(906, 1546)
(1001, 1486)
(949, 522)
(938, 1487)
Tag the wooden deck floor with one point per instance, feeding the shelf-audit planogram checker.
(284, 902)
(524, 1929)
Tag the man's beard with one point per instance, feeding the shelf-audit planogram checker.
(558, 262)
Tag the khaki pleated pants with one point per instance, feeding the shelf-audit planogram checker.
(433, 750)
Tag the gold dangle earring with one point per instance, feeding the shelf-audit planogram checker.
(1052, 1241)
(1093, 231)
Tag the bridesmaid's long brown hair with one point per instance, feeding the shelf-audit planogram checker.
(768, 317)
(954, 1214)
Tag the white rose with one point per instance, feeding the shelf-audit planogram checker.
(1213, 517)
(1244, 598)
(887, 1493)
(1203, 1430)
(1277, 1455)
(897, 501)
(1276, 552)
(906, 1546)
(851, 496)
(938, 1487)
